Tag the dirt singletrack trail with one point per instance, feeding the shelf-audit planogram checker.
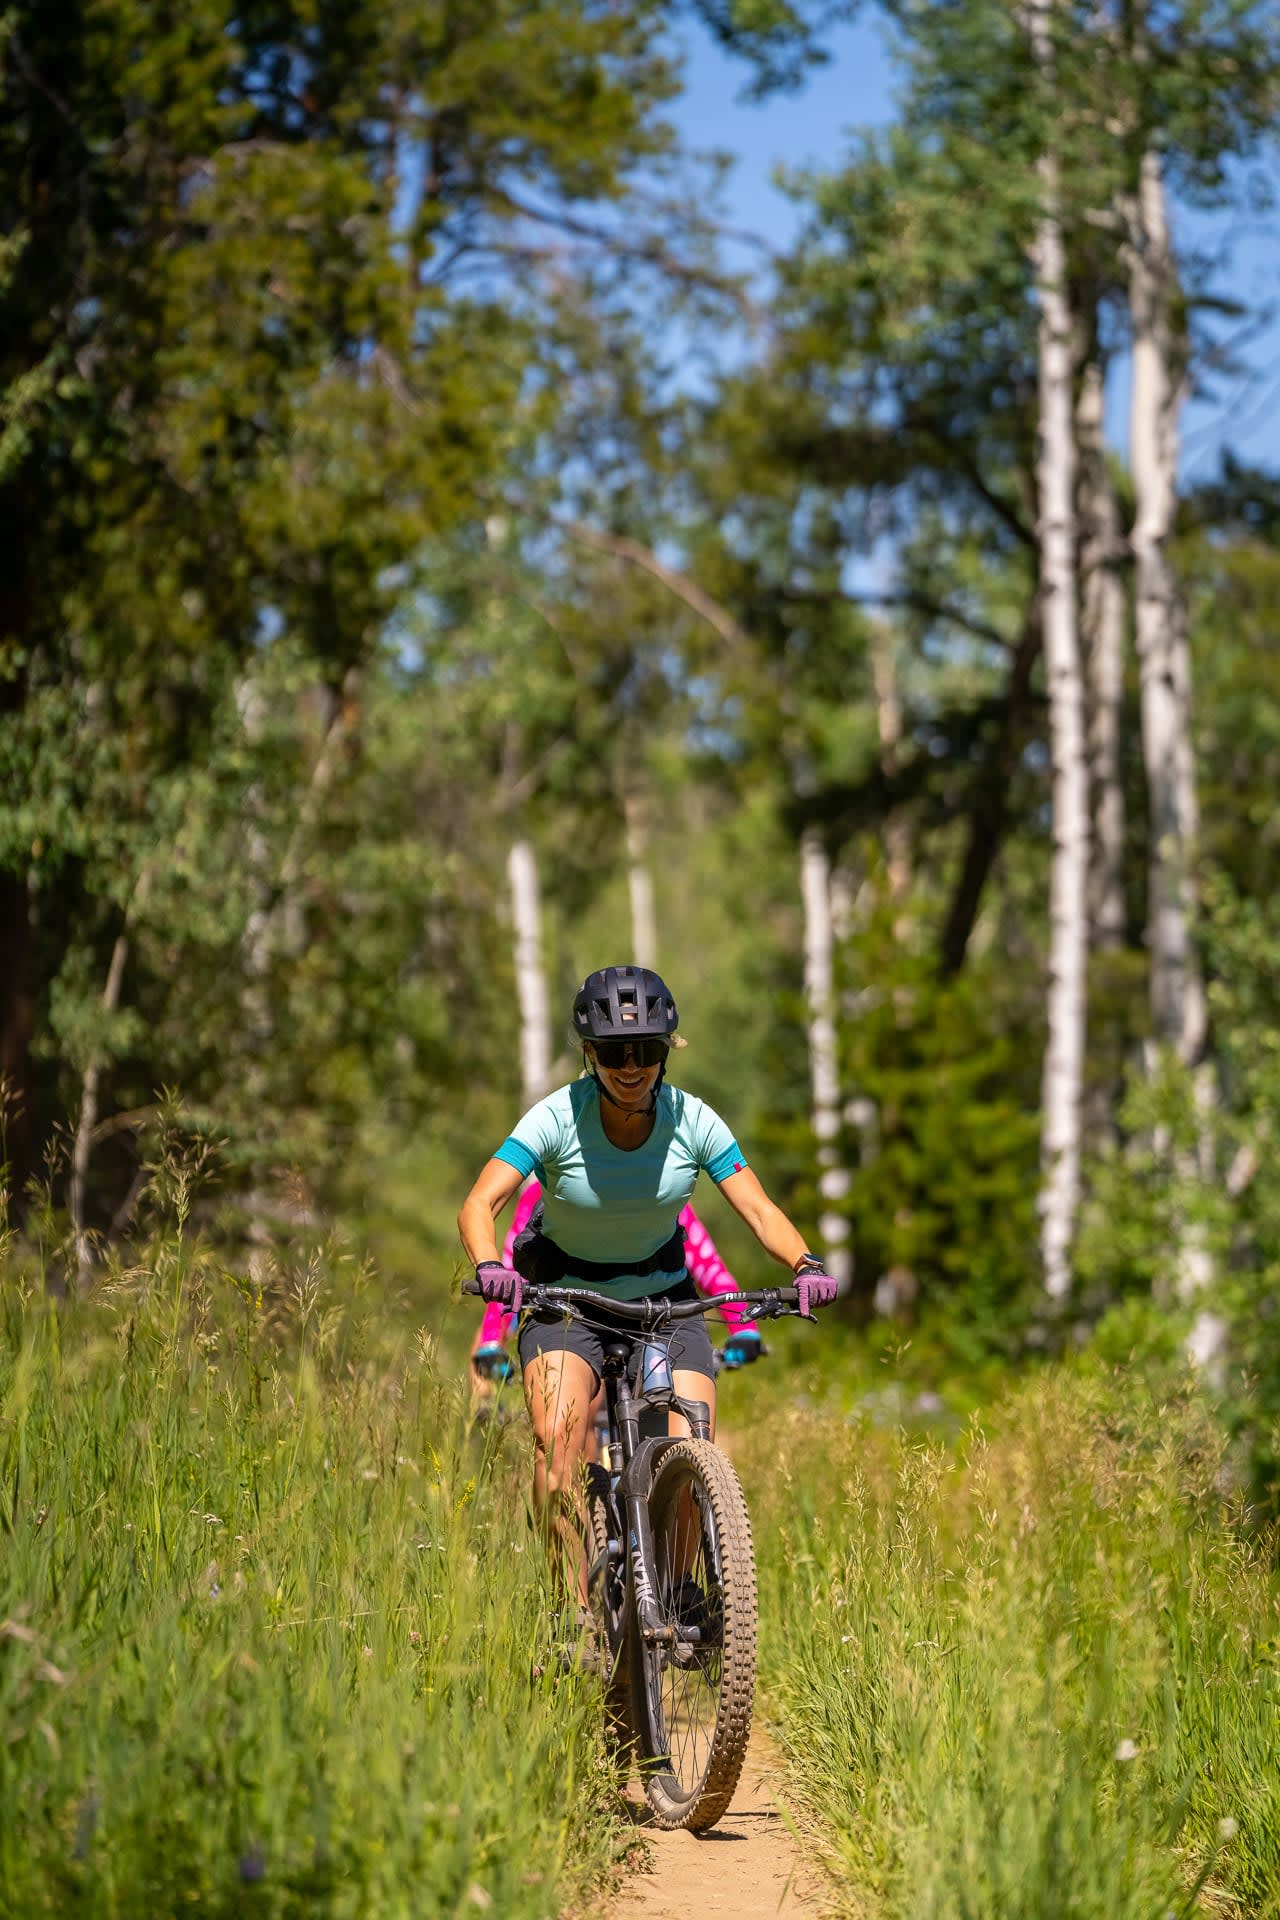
(746, 1868)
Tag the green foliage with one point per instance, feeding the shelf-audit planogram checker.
(1031, 1674)
(244, 403)
(272, 1618)
(1147, 1194)
(1143, 1333)
(1232, 585)
(946, 1182)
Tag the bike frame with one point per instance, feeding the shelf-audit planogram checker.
(632, 1480)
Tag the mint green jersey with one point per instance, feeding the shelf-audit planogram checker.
(613, 1204)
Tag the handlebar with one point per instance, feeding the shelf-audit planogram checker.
(770, 1303)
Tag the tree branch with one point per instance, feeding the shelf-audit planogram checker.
(649, 250)
(989, 801)
(622, 547)
(967, 467)
(917, 602)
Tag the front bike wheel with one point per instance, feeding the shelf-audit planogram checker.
(696, 1688)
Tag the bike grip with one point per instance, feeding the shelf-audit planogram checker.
(471, 1286)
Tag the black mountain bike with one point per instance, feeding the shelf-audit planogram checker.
(671, 1571)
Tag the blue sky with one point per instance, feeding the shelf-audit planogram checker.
(856, 89)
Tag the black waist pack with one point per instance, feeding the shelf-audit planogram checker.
(539, 1260)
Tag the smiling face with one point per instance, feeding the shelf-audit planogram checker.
(621, 1066)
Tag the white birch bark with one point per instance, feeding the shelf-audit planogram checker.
(644, 925)
(1102, 630)
(897, 1288)
(833, 1177)
(531, 981)
(1177, 990)
(1068, 906)
(1179, 1012)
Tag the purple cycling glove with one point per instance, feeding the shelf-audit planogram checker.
(501, 1283)
(814, 1285)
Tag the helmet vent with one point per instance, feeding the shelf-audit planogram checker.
(631, 1000)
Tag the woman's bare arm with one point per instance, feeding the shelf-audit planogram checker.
(768, 1222)
(481, 1208)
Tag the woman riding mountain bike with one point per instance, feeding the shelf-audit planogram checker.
(489, 1359)
(617, 1154)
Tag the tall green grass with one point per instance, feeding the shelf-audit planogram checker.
(272, 1625)
(1033, 1674)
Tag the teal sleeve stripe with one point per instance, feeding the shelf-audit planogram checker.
(731, 1160)
(517, 1155)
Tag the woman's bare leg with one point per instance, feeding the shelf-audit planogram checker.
(690, 1386)
(558, 1390)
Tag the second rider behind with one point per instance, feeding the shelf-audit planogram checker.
(617, 1153)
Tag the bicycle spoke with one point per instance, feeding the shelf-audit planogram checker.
(690, 1601)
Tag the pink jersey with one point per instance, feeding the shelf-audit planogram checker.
(706, 1269)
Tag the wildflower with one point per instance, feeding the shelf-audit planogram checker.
(1127, 1750)
(1228, 1828)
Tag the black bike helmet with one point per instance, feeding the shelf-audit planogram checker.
(624, 1003)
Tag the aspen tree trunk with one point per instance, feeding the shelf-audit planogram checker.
(1103, 621)
(1068, 909)
(644, 926)
(1177, 990)
(1179, 1013)
(1102, 628)
(833, 1177)
(897, 1288)
(531, 982)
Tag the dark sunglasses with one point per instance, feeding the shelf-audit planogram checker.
(645, 1053)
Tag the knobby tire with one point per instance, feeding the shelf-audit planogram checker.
(693, 1717)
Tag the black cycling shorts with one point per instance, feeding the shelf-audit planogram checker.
(687, 1341)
